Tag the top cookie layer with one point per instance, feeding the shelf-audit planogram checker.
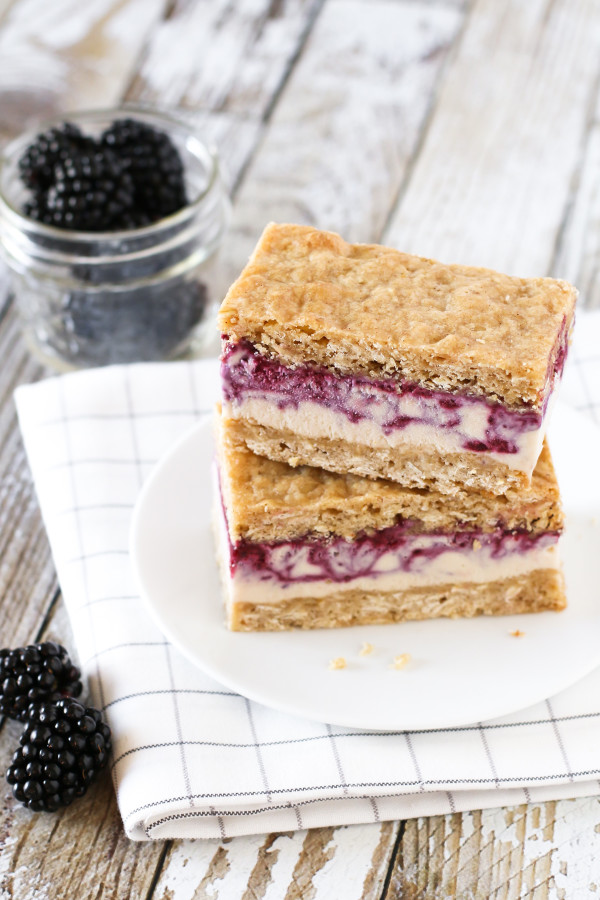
(308, 296)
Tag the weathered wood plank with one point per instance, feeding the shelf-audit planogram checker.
(544, 851)
(223, 63)
(493, 178)
(4, 7)
(223, 55)
(293, 865)
(578, 252)
(68, 55)
(27, 577)
(234, 137)
(347, 123)
(77, 852)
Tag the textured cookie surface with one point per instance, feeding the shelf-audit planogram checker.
(307, 295)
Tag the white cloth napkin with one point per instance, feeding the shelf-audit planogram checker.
(193, 759)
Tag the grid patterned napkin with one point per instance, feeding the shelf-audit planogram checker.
(192, 759)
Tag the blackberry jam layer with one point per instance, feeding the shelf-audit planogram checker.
(390, 559)
(314, 402)
(390, 550)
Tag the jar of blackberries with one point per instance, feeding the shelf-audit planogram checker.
(111, 223)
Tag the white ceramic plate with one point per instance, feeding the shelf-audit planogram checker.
(461, 671)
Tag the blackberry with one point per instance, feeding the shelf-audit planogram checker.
(63, 747)
(155, 166)
(128, 178)
(39, 672)
(90, 193)
(36, 166)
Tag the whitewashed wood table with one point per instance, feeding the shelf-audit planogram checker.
(467, 131)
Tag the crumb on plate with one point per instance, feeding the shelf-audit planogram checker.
(365, 649)
(401, 661)
(338, 663)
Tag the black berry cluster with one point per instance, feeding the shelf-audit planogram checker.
(89, 193)
(50, 149)
(130, 176)
(40, 672)
(64, 744)
(154, 165)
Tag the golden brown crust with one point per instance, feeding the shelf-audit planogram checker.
(542, 589)
(425, 469)
(308, 296)
(268, 500)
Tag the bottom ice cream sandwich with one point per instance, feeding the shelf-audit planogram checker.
(306, 548)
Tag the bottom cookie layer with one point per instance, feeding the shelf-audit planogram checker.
(537, 591)
(449, 473)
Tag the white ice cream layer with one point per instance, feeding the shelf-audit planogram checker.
(315, 421)
(475, 565)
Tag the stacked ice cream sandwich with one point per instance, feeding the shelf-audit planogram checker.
(380, 442)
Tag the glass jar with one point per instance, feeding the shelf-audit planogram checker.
(92, 299)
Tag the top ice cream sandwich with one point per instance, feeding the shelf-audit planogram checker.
(359, 358)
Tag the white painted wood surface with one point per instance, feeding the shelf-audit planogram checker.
(493, 179)
(468, 128)
(545, 852)
(578, 255)
(224, 55)
(293, 864)
(340, 141)
(69, 55)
